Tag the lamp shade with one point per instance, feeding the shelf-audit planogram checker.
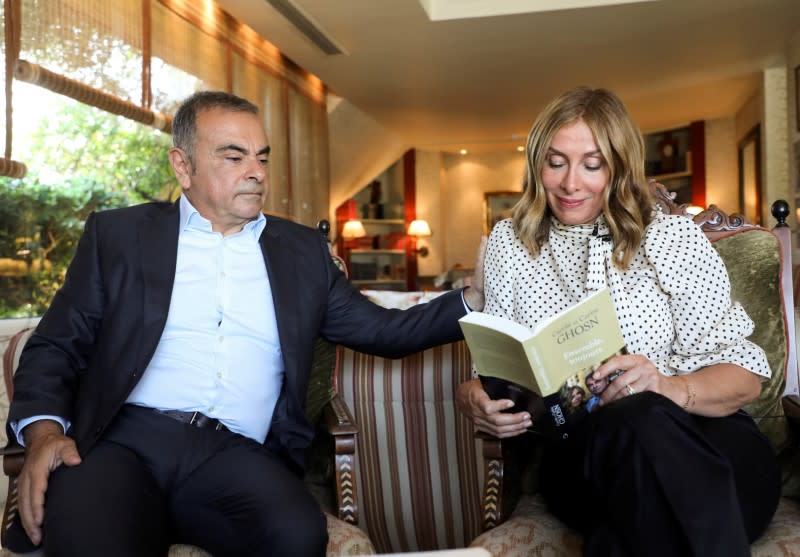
(353, 229)
(419, 228)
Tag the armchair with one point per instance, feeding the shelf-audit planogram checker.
(516, 521)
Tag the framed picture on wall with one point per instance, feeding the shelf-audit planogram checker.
(498, 205)
(797, 96)
(797, 169)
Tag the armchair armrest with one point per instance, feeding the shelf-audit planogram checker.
(340, 424)
(505, 464)
(492, 481)
(13, 458)
(791, 406)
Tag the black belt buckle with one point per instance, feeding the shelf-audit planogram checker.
(204, 422)
(194, 419)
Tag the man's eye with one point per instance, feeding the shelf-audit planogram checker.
(263, 162)
(233, 159)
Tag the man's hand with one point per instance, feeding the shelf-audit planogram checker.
(47, 448)
(474, 294)
(487, 414)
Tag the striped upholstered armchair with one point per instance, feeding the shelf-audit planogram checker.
(417, 461)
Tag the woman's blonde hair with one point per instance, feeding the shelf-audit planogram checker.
(627, 205)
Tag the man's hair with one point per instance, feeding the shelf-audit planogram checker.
(627, 204)
(184, 124)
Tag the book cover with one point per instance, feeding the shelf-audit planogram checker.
(546, 371)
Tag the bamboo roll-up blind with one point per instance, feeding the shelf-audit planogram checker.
(320, 173)
(12, 169)
(301, 147)
(267, 92)
(32, 73)
(94, 42)
(141, 58)
(182, 45)
(9, 46)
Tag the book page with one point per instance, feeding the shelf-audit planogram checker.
(497, 323)
(498, 348)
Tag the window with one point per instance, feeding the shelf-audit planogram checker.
(80, 159)
(93, 83)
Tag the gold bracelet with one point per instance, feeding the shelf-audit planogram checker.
(690, 393)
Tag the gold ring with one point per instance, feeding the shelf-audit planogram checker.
(630, 389)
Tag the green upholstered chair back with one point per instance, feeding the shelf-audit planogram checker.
(753, 260)
(756, 268)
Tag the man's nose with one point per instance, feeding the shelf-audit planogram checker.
(256, 171)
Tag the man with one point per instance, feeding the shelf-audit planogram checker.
(161, 398)
(595, 386)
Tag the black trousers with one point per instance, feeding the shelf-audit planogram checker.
(641, 476)
(153, 481)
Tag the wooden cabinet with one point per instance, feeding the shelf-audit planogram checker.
(676, 158)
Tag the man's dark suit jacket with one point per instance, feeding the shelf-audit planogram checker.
(102, 328)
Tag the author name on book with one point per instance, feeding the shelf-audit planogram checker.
(581, 325)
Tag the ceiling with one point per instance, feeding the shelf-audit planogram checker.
(478, 80)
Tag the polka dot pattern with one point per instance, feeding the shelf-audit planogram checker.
(673, 301)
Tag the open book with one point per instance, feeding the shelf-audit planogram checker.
(547, 370)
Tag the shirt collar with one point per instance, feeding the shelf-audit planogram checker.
(191, 217)
(598, 228)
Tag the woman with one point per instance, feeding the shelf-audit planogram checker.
(667, 464)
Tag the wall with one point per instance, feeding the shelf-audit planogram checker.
(360, 149)
(466, 178)
(450, 192)
(722, 176)
(430, 206)
(774, 131)
(793, 132)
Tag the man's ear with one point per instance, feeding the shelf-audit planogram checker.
(181, 166)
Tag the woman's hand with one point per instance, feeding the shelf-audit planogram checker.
(638, 374)
(716, 390)
(487, 414)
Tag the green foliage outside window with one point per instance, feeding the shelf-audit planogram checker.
(81, 160)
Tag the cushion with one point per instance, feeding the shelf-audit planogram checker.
(399, 300)
(753, 260)
(531, 530)
(320, 382)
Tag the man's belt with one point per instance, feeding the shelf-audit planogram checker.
(196, 419)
